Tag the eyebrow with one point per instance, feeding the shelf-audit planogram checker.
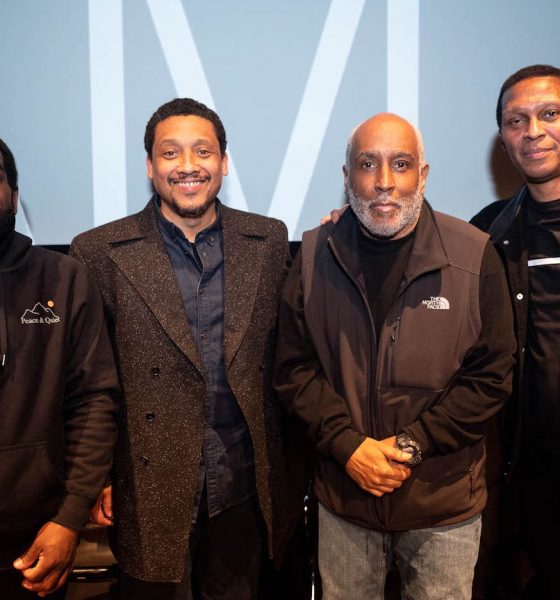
(366, 154)
(207, 141)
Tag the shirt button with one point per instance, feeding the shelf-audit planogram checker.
(150, 417)
(505, 242)
(201, 291)
(145, 461)
(202, 336)
(519, 296)
(155, 371)
(522, 349)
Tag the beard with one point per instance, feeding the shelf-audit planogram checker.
(190, 212)
(7, 223)
(405, 213)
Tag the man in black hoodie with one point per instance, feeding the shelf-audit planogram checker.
(57, 399)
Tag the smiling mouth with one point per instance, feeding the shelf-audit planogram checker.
(536, 152)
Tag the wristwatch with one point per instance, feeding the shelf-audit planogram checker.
(406, 444)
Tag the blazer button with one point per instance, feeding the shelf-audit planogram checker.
(155, 371)
(144, 461)
(150, 417)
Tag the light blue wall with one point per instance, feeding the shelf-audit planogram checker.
(257, 57)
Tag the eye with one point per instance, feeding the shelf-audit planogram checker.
(514, 122)
(367, 164)
(551, 114)
(401, 165)
(203, 152)
(169, 153)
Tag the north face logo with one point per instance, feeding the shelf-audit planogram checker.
(436, 303)
(39, 315)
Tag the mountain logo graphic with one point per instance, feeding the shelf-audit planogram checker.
(39, 315)
(436, 303)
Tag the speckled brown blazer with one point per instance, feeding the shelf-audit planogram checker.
(161, 417)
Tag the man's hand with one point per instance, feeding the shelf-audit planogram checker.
(376, 466)
(102, 511)
(47, 563)
(334, 215)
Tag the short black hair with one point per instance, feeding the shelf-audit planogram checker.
(184, 107)
(525, 73)
(9, 166)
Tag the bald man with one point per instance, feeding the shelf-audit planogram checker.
(395, 349)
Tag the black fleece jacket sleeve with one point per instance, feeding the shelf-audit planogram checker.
(90, 405)
(484, 382)
(300, 381)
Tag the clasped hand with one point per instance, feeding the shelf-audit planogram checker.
(377, 466)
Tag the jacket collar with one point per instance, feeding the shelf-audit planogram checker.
(508, 217)
(427, 252)
(139, 252)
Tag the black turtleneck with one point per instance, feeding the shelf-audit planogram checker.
(383, 262)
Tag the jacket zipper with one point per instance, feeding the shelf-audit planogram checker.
(378, 508)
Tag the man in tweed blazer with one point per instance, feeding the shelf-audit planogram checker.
(190, 289)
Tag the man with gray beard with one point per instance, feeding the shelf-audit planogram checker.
(394, 349)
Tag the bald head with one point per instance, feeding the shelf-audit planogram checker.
(368, 127)
(385, 175)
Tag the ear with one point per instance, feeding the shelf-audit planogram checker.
(502, 141)
(423, 176)
(345, 172)
(149, 168)
(15, 199)
(225, 164)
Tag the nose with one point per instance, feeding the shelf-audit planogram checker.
(385, 181)
(534, 128)
(187, 162)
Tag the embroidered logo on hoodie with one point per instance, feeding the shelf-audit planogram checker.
(40, 315)
(436, 303)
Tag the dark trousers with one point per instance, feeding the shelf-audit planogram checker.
(10, 587)
(223, 561)
(540, 524)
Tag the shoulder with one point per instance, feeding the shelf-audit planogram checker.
(454, 228)
(50, 259)
(486, 216)
(253, 224)
(98, 241)
(109, 232)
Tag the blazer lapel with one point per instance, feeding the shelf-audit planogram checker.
(243, 260)
(144, 261)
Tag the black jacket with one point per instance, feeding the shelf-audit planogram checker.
(58, 387)
(439, 370)
(505, 221)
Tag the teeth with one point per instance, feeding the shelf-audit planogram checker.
(187, 183)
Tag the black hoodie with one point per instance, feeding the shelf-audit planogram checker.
(58, 388)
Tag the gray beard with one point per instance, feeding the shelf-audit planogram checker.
(407, 212)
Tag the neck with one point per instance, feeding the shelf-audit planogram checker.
(191, 226)
(545, 192)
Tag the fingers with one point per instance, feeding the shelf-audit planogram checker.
(29, 558)
(107, 503)
(49, 583)
(395, 454)
(102, 511)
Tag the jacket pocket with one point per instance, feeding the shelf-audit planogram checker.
(29, 487)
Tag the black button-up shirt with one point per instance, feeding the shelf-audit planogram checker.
(227, 464)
